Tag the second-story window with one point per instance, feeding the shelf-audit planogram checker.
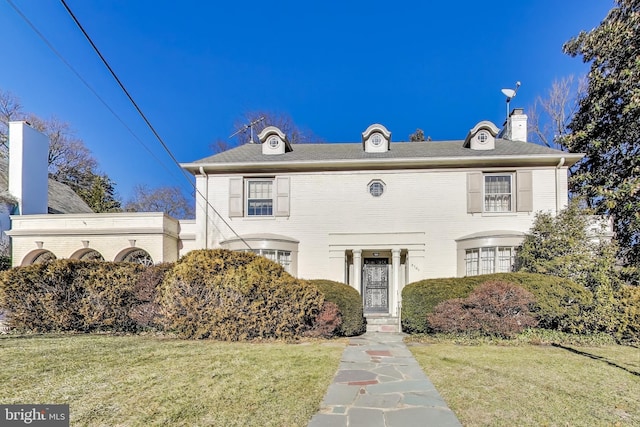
(260, 197)
(498, 193)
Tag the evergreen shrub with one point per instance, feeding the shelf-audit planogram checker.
(234, 296)
(69, 295)
(559, 303)
(494, 308)
(349, 303)
(146, 310)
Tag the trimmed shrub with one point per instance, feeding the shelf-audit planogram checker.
(146, 310)
(493, 309)
(628, 313)
(326, 322)
(69, 295)
(349, 303)
(236, 296)
(559, 303)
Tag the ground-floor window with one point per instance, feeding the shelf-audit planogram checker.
(497, 259)
(281, 257)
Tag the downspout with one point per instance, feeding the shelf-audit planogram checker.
(206, 207)
(558, 166)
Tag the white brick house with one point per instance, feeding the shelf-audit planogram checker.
(376, 214)
(380, 214)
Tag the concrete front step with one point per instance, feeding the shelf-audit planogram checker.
(382, 323)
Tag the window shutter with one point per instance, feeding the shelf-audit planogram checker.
(282, 195)
(524, 198)
(236, 202)
(474, 192)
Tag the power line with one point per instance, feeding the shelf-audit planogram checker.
(138, 109)
(79, 76)
(146, 120)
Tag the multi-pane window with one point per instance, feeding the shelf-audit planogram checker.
(281, 257)
(260, 197)
(498, 259)
(498, 193)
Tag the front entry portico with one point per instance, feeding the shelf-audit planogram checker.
(377, 265)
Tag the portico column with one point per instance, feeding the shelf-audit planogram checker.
(357, 269)
(395, 295)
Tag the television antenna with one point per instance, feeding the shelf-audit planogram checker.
(250, 127)
(510, 94)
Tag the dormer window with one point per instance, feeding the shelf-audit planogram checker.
(376, 139)
(274, 141)
(482, 136)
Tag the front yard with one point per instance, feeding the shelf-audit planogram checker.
(493, 385)
(134, 380)
(145, 380)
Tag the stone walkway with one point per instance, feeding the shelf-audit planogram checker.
(380, 384)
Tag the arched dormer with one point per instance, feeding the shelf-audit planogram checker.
(482, 136)
(376, 139)
(274, 141)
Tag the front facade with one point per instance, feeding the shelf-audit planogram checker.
(379, 214)
(376, 215)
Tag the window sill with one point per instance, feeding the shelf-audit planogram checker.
(490, 214)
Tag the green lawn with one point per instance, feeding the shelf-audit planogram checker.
(134, 380)
(492, 385)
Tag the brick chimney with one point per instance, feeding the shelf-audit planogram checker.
(28, 168)
(516, 126)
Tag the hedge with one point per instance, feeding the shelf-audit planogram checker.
(234, 296)
(559, 302)
(70, 295)
(349, 303)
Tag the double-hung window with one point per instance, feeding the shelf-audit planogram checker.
(259, 197)
(498, 193)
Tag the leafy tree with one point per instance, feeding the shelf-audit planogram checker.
(572, 244)
(607, 124)
(169, 200)
(99, 193)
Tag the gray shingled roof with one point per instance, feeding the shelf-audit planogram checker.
(353, 152)
(62, 199)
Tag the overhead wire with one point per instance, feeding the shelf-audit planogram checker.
(146, 120)
(91, 89)
(133, 102)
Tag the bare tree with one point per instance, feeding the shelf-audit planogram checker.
(69, 161)
(550, 116)
(417, 136)
(10, 109)
(170, 200)
(283, 121)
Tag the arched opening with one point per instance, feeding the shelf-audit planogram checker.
(87, 254)
(136, 256)
(38, 257)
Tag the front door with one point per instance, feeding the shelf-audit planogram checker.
(375, 285)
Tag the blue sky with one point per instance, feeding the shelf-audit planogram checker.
(195, 67)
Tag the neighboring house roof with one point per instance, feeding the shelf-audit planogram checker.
(401, 154)
(61, 198)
